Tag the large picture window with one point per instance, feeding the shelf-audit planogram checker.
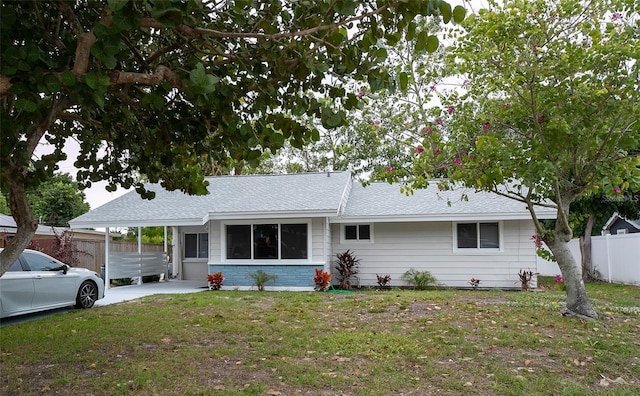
(196, 245)
(267, 241)
(478, 236)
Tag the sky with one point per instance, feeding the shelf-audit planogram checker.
(97, 195)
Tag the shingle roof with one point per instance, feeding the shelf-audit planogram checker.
(301, 195)
(385, 201)
(306, 194)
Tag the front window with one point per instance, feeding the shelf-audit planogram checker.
(478, 236)
(359, 232)
(267, 241)
(196, 245)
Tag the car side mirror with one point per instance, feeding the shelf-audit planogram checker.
(64, 268)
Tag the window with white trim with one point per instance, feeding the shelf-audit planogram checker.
(478, 235)
(273, 241)
(196, 245)
(357, 232)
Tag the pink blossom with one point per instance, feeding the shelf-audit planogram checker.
(428, 130)
(432, 88)
(457, 161)
(360, 94)
(558, 105)
(486, 126)
(507, 105)
(537, 240)
(390, 169)
(617, 190)
(616, 16)
(436, 151)
(541, 119)
(439, 121)
(559, 279)
(450, 109)
(377, 122)
(419, 150)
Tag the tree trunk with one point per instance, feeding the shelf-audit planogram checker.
(22, 214)
(585, 249)
(577, 301)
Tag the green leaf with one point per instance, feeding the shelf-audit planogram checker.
(432, 44)
(445, 11)
(68, 78)
(52, 84)
(26, 105)
(117, 5)
(276, 139)
(91, 79)
(403, 79)
(170, 17)
(421, 41)
(459, 13)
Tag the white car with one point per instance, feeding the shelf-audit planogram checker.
(37, 282)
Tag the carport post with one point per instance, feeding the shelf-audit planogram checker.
(140, 253)
(107, 282)
(166, 254)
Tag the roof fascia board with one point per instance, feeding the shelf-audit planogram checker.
(268, 215)
(133, 223)
(438, 217)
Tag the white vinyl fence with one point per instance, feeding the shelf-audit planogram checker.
(135, 265)
(615, 258)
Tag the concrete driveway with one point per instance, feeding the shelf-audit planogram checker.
(126, 293)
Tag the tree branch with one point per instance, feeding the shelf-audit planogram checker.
(162, 73)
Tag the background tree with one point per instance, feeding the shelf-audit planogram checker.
(4, 207)
(382, 133)
(550, 111)
(153, 87)
(57, 201)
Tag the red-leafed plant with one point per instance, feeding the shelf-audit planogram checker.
(321, 279)
(525, 279)
(347, 266)
(215, 280)
(383, 281)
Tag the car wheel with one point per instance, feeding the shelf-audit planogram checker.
(87, 295)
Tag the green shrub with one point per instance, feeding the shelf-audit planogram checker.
(419, 279)
(260, 278)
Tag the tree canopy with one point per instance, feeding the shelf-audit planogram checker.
(548, 112)
(58, 200)
(152, 87)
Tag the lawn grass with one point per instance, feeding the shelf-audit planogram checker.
(366, 343)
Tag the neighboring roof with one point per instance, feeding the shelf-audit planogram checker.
(230, 197)
(616, 216)
(384, 202)
(8, 226)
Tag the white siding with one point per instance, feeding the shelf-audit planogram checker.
(398, 247)
(215, 249)
(318, 243)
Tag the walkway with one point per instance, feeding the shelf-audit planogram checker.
(126, 293)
